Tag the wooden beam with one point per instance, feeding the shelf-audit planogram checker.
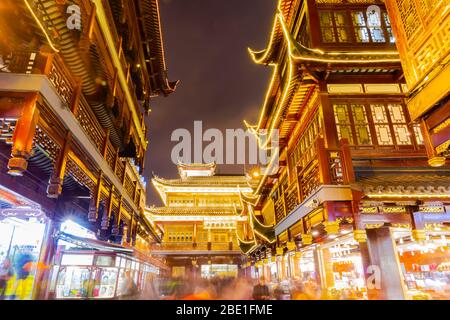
(54, 188)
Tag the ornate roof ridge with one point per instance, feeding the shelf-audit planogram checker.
(300, 52)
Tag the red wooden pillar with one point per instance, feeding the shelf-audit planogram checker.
(23, 136)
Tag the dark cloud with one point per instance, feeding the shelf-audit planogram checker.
(206, 45)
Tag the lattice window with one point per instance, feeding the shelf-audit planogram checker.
(387, 22)
(326, 26)
(361, 124)
(343, 123)
(409, 16)
(381, 121)
(360, 27)
(334, 26)
(418, 134)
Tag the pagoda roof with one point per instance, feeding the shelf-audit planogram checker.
(212, 181)
(268, 55)
(150, 21)
(423, 185)
(301, 53)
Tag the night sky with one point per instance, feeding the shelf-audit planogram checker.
(206, 43)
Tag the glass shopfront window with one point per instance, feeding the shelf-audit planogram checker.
(342, 269)
(99, 275)
(425, 265)
(20, 247)
(307, 266)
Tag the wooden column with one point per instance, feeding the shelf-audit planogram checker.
(95, 200)
(324, 166)
(329, 127)
(107, 215)
(54, 188)
(23, 136)
(346, 162)
(383, 257)
(433, 159)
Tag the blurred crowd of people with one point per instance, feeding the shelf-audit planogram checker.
(229, 288)
(16, 276)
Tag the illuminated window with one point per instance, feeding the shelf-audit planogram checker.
(360, 27)
(388, 122)
(381, 122)
(334, 26)
(418, 134)
(374, 24)
(388, 27)
(361, 124)
(343, 123)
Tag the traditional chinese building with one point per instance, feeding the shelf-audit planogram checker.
(354, 193)
(75, 85)
(421, 29)
(200, 220)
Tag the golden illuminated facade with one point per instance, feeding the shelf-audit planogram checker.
(353, 188)
(76, 79)
(421, 28)
(200, 219)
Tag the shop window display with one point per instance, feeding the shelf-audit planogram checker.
(425, 265)
(342, 269)
(20, 247)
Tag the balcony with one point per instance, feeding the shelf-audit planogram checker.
(195, 248)
(317, 167)
(68, 89)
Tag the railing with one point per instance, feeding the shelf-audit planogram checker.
(279, 210)
(88, 121)
(190, 246)
(68, 88)
(318, 166)
(291, 197)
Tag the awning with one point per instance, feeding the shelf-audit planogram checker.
(92, 243)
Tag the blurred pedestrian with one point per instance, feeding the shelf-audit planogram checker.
(6, 272)
(261, 290)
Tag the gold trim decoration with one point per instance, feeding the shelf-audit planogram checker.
(369, 210)
(279, 251)
(394, 209)
(419, 234)
(290, 246)
(442, 126)
(307, 239)
(331, 227)
(374, 225)
(273, 259)
(401, 225)
(266, 261)
(432, 209)
(298, 255)
(360, 235)
(443, 147)
(437, 161)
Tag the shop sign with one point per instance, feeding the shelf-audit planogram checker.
(21, 213)
(431, 209)
(394, 209)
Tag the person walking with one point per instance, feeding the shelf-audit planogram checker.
(6, 272)
(261, 291)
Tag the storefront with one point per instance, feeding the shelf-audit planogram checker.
(425, 265)
(342, 271)
(23, 233)
(92, 269)
(307, 268)
(219, 270)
